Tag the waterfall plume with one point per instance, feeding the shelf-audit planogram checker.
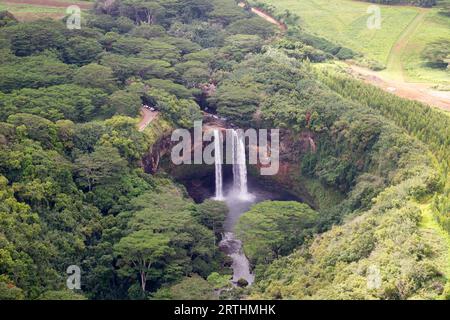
(239, 165)
(218, 164)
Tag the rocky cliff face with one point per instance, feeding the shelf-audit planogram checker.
(292, 147)
(200, 178)
(162, 147)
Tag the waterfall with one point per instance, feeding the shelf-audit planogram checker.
(238, 201)
(239, 164)
(218, 163)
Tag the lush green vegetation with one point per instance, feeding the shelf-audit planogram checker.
(431, 127)
(398, 45)
(383, 172)
(274, 229)
(71, 184)
(73, 190)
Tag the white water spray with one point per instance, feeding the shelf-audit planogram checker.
(239, 165)
(218, 163)
(238, 201)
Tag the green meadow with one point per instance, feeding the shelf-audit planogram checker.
(38, 9)
(345, 22)
(433, 28)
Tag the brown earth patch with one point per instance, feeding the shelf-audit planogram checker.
(413, 91)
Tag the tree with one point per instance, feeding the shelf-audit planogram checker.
(125, 67)
(124, 25)
(193, 287)
(185, 46)
(148, 31)
(36, 128)
(236, 101)
(275, 228)
(437, 54)
(80, 50)
(171, 87)
(104, 164)
(167, 212)
(142, 249)
(160, 49)
(205, 34)
(182, 112)
(34, 72)
(193, 72)
(61, 295)
(56, 102)
(123, 103)
(142, 11)
(226, 11)
(195, 10)
(239, 45)
(8, 291)
(212, 214)
(253, 26)
(30, 38)
(127, 46)
(104, 22)
(7, 19)
(20, 227)
(96, 76)
(132, 144)
(219, 281)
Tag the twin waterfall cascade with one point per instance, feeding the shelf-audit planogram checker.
(238, 161)
(238, 200)
(218, 163)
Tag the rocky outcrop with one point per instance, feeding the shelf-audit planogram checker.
(292, 147)
(199, 178)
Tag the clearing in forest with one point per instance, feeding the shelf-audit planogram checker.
(27, 10)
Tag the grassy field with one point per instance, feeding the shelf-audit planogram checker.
(345, 22)
(398, 44)
(433, 28)
(26, 10)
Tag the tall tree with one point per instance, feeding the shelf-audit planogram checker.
(103, 164)
(142, 249)
(274, 228)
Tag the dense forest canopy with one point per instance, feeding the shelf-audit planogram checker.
(73, 189)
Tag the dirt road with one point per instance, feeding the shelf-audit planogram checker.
(395, 63)
(414, 91)
(147, 117)
(266, 17)
(393, 80)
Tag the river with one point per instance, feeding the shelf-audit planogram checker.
(237, 207)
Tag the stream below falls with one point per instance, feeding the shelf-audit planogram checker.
(237, 206)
